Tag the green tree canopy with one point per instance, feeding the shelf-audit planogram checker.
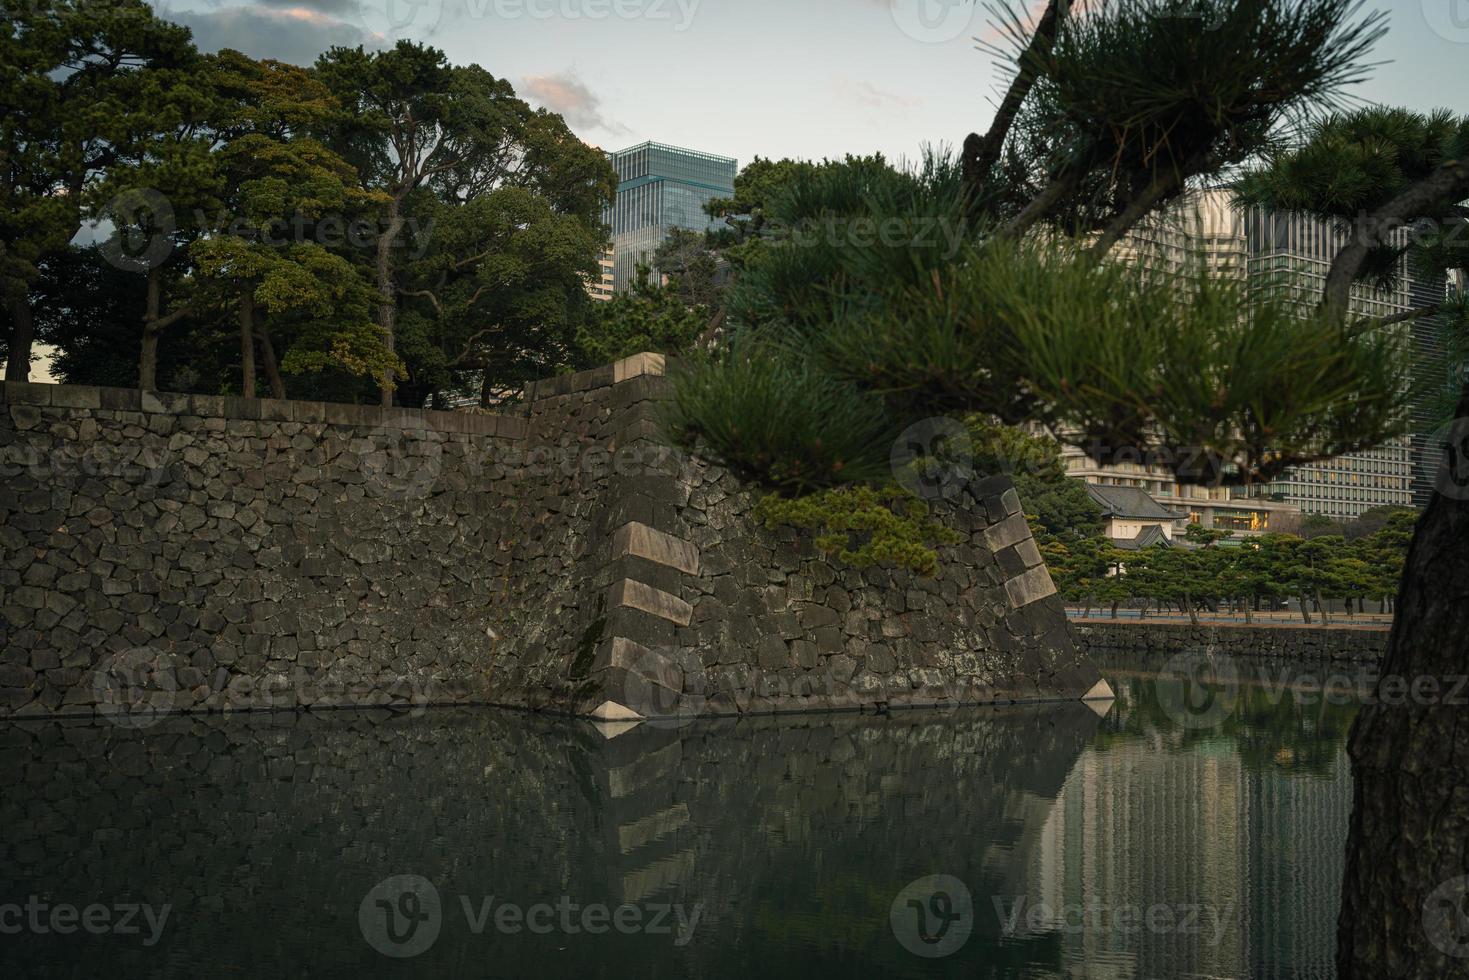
(84, 85)
(498, 290)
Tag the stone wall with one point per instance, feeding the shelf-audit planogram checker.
(1361, 645)
(192, 552)
(169, 552)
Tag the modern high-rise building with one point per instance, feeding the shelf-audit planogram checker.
(1256, 842)
(1286, 255)
(600, 288)
(1291, 254)
(659, 188)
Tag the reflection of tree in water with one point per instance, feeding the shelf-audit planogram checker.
(1279, 717)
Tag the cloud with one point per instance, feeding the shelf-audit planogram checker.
(295, 33)
(341, 8)
(568, 95)
(870, 95)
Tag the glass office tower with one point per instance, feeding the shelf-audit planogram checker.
(661, 187)
(1288, 256)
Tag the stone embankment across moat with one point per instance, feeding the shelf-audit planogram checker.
(1342, 642)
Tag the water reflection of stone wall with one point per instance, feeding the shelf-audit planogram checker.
(265, 834)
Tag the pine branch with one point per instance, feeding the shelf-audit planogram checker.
(1448, 182)
(1403, 317)
(1138, 208)
(428, 294)
(165, 322)
(469, 346)
(1043, 203)
(981, 153)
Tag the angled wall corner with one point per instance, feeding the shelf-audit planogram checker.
(710, 613)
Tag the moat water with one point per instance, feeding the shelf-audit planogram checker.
(1195, 829)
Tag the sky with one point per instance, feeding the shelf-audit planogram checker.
(777, 78)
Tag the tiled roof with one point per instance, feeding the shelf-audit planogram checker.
(1146, 538)
(1129, 502)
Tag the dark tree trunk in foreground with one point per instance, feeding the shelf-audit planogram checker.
(1405, 899)
(22, 335)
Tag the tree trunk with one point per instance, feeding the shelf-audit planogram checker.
(22, 336)
(1249, 615)
(1404, 901)
(484, 388)
(1321, 608)
(148, 349)
(1114, 610)
(148, 359)
(247, 341)
(154, 323)
(1188, 607)
(272, 369)
(386, 294)
(1305, 608)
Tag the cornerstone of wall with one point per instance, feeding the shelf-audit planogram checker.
(170, 553)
